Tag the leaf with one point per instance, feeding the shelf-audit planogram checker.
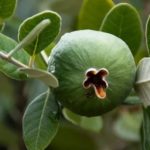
(48, 78)
(92, 123)
(123, 21)
(128, 126)
(142, 85)
(147, 33)
(93, 12)
(71, 9)
(68, 12)
(7, 8)
(145, 134)
(140, 54)
(6, 45)
(40, 122)
(39, 61)
(46, 37)
(132, 100)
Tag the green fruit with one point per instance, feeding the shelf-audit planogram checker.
(95, 70)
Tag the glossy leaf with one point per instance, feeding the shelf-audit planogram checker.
(91, 123)
(123, 21)
(145, 134)
(143, 81)
(6, 45)
(46, 37)
(7, 8)
(93, 12)
(40, 122)
(48, 78)
(147, 33)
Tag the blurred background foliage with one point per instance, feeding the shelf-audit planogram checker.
(120, 129)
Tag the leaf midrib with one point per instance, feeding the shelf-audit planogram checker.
(120, 25)
(41, 118)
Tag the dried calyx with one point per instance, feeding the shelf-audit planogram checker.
(96, 79)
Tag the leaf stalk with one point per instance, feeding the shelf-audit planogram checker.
(30, 37)
(12, 60)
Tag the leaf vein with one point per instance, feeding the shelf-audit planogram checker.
(40, 123)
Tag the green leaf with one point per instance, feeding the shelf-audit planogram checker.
(93, 12)
(48, 78)
(123, 21)
(91, 123)
(145, 134)
(142, 84)
(46, 37)
(132, 100)
(40, 122)
(147, 33)
(6, 45)
(7, 8)
(39, 60)
(140, 54)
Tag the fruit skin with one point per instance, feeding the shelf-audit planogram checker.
(78, 51)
